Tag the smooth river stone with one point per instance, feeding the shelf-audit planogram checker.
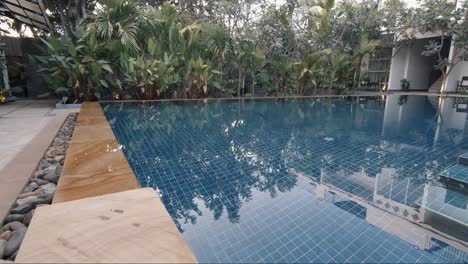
(13, 217)
(49, 172)
(14, 243)
(22, 209)
(5, 235)
(28, 194)
(44, 164)
(16, 225)
(40, 182)
(31, 187)
(39, 173)
(59, 158)
(48, 188)
(46, 199)
(2, 248)
(28, 217)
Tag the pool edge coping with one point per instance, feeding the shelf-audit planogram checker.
(367, 94)
(93, 110)
(79, 168)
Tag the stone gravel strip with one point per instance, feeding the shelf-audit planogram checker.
(40, 191)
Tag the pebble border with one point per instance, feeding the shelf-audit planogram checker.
(39, 192)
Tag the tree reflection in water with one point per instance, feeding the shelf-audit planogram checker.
(218, 152)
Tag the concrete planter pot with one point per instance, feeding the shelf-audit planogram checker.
(59, 105)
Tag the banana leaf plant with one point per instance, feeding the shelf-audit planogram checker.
(363, 48)
(309, 71)
(338, 71)
(151, 76)
(198, 77)
(72, 68)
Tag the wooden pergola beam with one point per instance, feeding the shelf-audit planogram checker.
(29, 12)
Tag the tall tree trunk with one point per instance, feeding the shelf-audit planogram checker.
(357, 75)
(443, 70)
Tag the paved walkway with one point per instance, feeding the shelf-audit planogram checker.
(27, 127)
(19, 123)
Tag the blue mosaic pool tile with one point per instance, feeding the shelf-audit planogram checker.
(294, 180)
(463, 159)
(456, 172)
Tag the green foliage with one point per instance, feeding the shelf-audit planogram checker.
(73, 68)
(444, 18)
(119, 21)
(150, 50)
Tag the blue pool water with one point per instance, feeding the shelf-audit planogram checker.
(352, 179)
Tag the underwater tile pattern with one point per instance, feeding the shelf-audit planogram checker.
(463, 159)
(457, 172)
(302, 180)
(449, 203)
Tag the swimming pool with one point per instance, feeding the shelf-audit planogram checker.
(352, 179)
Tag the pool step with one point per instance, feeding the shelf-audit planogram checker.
(456, 178)
(463, 159)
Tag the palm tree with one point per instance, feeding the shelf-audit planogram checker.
(118, 21)
(338, 70)
(310, 70)
(364, 47)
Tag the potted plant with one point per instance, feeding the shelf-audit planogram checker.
(404, 84)
(3, 98)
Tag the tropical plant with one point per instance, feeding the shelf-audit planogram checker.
(176, 60)
(405, 84)
(448, 21)
(310, 72)
(198, 48)
(73, 69)
(249, 60)
(396, 18)
(148, 77)
(364, 47)
(117, 23)
(338, 71)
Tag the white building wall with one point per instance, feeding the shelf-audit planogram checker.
(398, 67)
(401, 115)
(408, 63)
(459, 70)
(450, 120)
(420, 67)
